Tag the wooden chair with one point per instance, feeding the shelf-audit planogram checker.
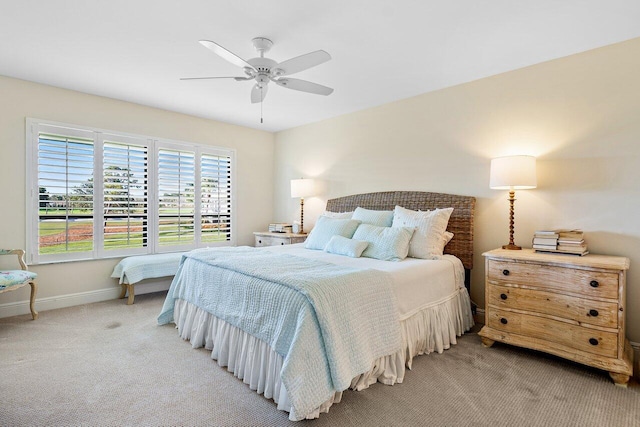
(10, 280)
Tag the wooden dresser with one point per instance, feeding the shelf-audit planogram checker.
(570, 306)
(267, 238)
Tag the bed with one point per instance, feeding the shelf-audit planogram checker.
(301, 326)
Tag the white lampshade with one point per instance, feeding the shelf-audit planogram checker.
(513, 173)
(302, 188)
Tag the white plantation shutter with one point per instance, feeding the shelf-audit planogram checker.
(125, 175)
(95, 194)
(215, 201)
(64, 222)
(176, 198)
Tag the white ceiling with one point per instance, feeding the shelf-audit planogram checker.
(383, 50)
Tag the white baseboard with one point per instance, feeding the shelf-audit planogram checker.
(70, 300)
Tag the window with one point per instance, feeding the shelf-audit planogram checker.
(215, 197)
(125, 200)
(192, 209)
(98, 194)
(65, 192)
(176, 197)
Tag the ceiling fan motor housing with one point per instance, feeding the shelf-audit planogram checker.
(262, 65)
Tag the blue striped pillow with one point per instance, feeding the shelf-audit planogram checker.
(378, 218)
(343, 246)
(385, 243)
(326, 228)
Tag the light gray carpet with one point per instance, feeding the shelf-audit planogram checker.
(109, 364)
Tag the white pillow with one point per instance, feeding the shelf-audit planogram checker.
(327, 227)
(446, 238)
(385, 243)
(430, 227)
(368, 216)
(343, 246)
(343, 215)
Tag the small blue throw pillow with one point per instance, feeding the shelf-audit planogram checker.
(343, 246)
(385, 243)
(378, 218)
(326, 228)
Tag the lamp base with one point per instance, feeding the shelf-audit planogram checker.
(511, 247)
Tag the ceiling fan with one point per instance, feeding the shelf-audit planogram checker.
(263, 70)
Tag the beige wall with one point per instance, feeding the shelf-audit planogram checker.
(20, 99)
(579, 115)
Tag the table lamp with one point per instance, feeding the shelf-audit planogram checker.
(513, 173)
(302, 188)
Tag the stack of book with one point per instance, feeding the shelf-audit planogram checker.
(280, 227)
(545, 240)
(560, 241)
(572, 242)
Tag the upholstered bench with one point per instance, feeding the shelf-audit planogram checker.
(134, 269)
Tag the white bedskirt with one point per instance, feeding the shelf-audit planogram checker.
(434, 328)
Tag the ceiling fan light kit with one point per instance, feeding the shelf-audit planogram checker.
(264, 70)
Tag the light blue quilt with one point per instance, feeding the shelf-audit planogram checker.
(328, 322)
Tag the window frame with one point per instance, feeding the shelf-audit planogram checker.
(153, 145)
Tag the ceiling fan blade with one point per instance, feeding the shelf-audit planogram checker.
(208, 78)
(304, 86)
(224, 53)
(258, 95)
(303, 62)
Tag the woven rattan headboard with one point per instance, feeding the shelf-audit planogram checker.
(460, 223)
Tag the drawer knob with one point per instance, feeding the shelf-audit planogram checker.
(259, 241)
(505, 272)
(503, 321)
(593, 313)
(503, 296)
(594, 284)
(593, 341)
(282, 243)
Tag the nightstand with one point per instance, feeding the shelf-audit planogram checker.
(267, 238)
(566, 305)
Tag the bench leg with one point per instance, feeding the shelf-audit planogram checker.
(32, 300)
(131, 294)
(123, 293)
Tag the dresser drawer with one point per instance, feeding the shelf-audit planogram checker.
(587, 283)
(567, 335)
(278, 239)
(271, 241)
(582, 310)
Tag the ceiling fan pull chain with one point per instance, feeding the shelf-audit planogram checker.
(261, 102)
